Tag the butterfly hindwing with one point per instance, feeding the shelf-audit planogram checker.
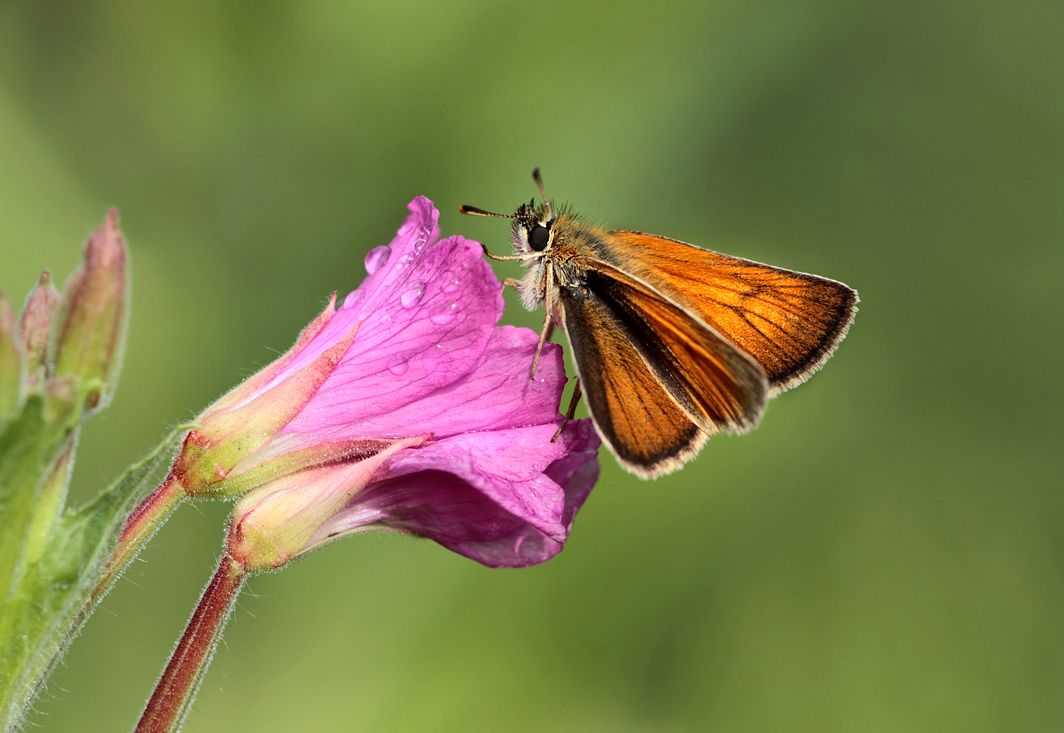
(637, 418)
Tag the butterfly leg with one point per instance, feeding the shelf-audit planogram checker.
(548, 328)
(515, 284)
(573, 402)
(548, 322)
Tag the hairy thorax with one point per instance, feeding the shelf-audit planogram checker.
(562, 265)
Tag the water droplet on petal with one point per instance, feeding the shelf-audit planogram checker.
(352, 299)
(421, 241)
(398, 365)
(450, 282)
(431, 361)
(376, 258)
(404, 262)
(413, 294)
(447, 315)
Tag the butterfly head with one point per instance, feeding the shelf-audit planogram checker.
(533, 223)
(533, 228)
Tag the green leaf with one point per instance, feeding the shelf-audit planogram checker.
(54, 595)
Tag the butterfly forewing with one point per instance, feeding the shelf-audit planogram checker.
(789, 322)
(638, 419)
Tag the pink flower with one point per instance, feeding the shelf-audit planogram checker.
(406, 409)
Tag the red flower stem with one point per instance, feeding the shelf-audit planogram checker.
(141, 524)
(176, 689)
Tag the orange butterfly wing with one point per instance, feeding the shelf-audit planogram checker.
(789, 322)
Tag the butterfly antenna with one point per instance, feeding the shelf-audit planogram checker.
(474, 211)
(539, 182)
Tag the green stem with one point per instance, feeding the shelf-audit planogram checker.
(176, 689)
(139, 527)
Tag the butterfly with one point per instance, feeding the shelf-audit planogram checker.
(672, 343)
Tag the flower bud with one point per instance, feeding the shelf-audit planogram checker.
(92, 322)
(278, 521)
(10, 360)
(37, 316)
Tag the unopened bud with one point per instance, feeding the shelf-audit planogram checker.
(95, 305)
(10, 360)
(37, 316)
(281, 520)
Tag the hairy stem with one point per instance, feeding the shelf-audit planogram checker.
(139, 527)
(176, 689)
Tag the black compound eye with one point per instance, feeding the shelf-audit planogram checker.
(538, 238)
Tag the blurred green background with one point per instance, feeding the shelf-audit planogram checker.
(884, 554)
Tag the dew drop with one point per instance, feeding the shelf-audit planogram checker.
(405, 261)
(431, 360)
(420, 242)
(398, 365)
(447, 315)
(376, 258)
(413, 294)
(352, 299)
(450, 282)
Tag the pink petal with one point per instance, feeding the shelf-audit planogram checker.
(426, 317)
(500, 509)
(495, 393)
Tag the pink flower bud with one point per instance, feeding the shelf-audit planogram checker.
(277, 522)
(92, 321)
(37, 316)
